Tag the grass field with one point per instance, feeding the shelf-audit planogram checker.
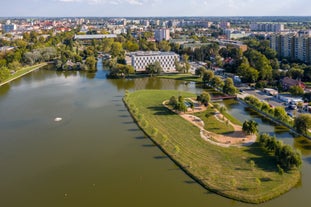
(212, 124)
(225, 171)
(22, 72)
(182, 77)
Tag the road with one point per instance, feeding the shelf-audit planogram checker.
(273, 101)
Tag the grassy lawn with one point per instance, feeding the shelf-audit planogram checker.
(22, 72)
(225, 171)
(212, 124)
(182, 77)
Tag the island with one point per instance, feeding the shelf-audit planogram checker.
(241, 170)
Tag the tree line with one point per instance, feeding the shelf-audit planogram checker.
(286, 157)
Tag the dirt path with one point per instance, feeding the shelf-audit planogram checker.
(236, 138)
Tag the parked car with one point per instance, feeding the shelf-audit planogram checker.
(293, 107)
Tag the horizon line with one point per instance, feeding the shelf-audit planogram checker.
(87, 16)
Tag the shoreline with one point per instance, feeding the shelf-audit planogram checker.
(211, 180)
(24, 73)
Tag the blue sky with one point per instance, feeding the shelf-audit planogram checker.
(155, 8)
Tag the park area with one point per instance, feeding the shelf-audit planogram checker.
(246, 172)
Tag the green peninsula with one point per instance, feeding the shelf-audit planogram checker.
(245, 173)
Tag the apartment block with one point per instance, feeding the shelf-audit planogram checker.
(267, 27)
(8, 28)
(293, 46)
(162, 34)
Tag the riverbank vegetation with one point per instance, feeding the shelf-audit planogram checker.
(22, 71)
(248, 174)
(301, 123)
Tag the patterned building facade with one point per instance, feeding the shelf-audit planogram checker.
(140, 60)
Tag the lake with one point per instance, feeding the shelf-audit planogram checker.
(96, 155)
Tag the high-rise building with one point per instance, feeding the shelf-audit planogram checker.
(287, 46)
(162, 34)
(225, 25)
(293, 46)
(301, 48)
(267, 27)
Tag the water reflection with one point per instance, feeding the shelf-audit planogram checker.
(101, 144)
(303, 144)
(4, 89)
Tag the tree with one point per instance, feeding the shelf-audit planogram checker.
(164, 46)
(4, 73)
(208, 75)
(217, 82)
(247, 73)
(15, 65)
(154, 68)
(296, 90)
(229, 87)
(285, 155)
(260, 63)
(180, 105)
(178, 67)
(173, 101)
(222, 109)
(131, 46)
(91, 63)
(187, 65)
(280, 113)
(107, 45)
(200, 71)
(296, 73)
(250, 127)
(302, 123)
(116, 49)
(204, 98)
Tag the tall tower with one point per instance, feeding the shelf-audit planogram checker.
(162, 34)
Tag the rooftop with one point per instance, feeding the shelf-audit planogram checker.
(150, 53)
(95, 36)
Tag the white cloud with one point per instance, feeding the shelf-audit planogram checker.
(114, 2)
(69, 1)
(134, 2)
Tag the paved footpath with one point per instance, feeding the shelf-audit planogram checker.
(35, 68)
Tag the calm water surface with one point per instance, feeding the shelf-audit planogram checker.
(96, 156)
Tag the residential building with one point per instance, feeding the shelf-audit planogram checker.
(267, 27)
(225, 25)
(293, 46)
(287, 46)
(301, 50)
(234, 34)
(289, 82)
(8, 28)
(162, 34)
(140, 60)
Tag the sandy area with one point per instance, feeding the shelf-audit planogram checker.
(238, 137)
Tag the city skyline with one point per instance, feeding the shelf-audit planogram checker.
(145, 8)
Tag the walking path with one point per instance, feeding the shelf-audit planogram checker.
(24, 73)
(236, 138)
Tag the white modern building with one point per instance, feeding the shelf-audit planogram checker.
(140, 60)
(162, 34)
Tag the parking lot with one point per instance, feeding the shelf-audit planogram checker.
(273, 101)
